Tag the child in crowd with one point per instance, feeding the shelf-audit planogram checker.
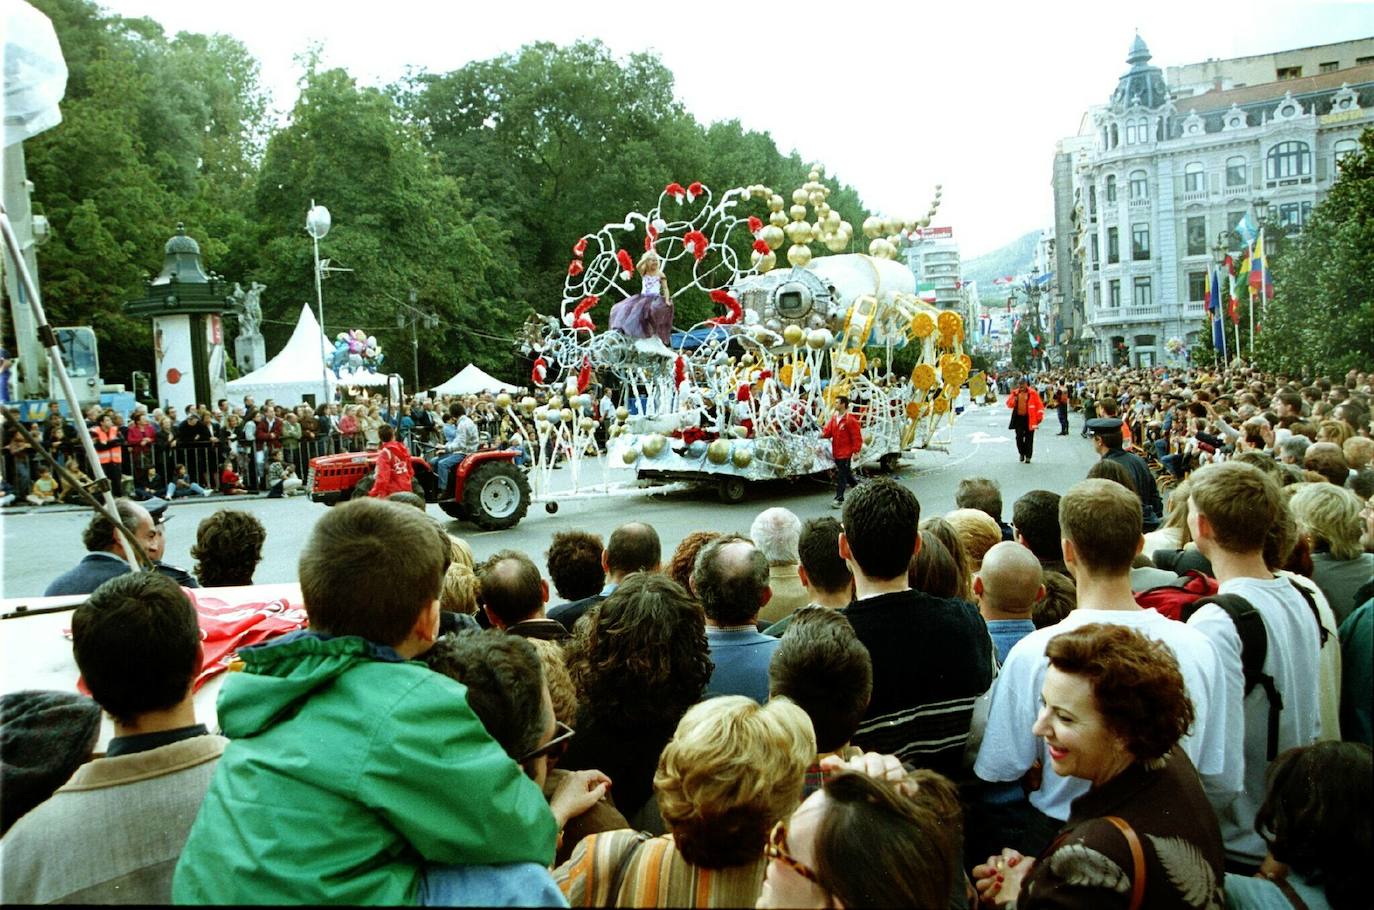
(353, 772)
(229, 480)
(276, 472)
(44, 490)
(79, 479)
(182, 485)
(291, 483)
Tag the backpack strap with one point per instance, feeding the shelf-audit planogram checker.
(1289, 892)
(1137, 859)
(1312, 605)
(1254, 648)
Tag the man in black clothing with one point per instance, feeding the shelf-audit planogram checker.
(513, 595)
(634, 547)
(1108, 441)
(932, 657)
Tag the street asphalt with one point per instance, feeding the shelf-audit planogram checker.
(41, 543)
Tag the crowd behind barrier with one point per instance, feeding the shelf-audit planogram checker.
(1062, 709)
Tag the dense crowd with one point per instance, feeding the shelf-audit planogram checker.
(1147, 689)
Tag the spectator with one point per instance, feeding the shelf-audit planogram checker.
(1357, 680)
(1293, 449)
(393, 470)
(1328, 519)
(1173, 533)
(823, 572)
(1230, 513)
(823, 667)
(44, 738)
(113, 833)
(1115, 706)
(1315, 821)
(1036, 519)
(44, 489)
(228, 548)
(977, 531)
(777, 533)
(638, 663)
(229, 480)
(1326, 459)
(1107, 442)
(106, 556)
(182, 485)
(420, 782)
(574, 564)
(513, 596)
(732, 770)
(933, 570)
(685, 556)
(633, 547)
(931, 657)
(730, 580)
(1101, 522)
(1006, 588)
(985, 495)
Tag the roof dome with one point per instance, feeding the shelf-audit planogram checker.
(180, 243)
(1143, 82)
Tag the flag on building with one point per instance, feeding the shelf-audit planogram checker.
(1213, 281)
(1005, 279)
(1260, 278)
(1243, 268)
(1045, 278)
(1247, 229)
(985, 325)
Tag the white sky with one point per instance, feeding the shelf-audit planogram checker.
(893, 97)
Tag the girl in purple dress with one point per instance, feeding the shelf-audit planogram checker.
(648, 314)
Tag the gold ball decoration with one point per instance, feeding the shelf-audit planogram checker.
(951, 323)
(773, 235)
(555, 403)
(570, 390)
(503, 400)
(818, 339)
(923, 377)
(586, 424)
(528, 404)
(800, 232)
(799, 196)
(541, 415)
(816, 198)
(742, 457)
(776, 203)
(837, 243)
(778, 219)
(763, 262)
(951, 391)
(799, 255)
(567, 415)
(653, 445)
(891, 225)
(833, 220)
(622, 413)
(823, 211)
(798, 212)
(630, 455)
(815, 174)
(718, 452)
(954, 372)
(922, 324)
(793, 335)
(941, 405)
(873, 226)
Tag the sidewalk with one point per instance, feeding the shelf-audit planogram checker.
(58, 508)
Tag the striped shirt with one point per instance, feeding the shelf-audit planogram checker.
(629, 869)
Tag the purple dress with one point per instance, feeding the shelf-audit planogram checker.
(645, 314)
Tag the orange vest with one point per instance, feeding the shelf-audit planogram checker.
(115, 453)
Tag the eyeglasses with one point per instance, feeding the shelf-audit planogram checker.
(554, 748)
(777, 849)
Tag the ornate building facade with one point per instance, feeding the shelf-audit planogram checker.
(1152, 187)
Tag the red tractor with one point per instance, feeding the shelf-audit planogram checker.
(487, 488)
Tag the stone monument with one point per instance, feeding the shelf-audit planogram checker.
(250, 350)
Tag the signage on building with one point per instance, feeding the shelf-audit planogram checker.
(1340, 117)
(935, 233)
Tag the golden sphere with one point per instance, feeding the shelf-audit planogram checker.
(798, 212)
(630, 455)
(873, 226)
(846, 229)
(653, 445)
(763, 263)
(778, 219)
(922, 324)
(586, 424)
(941, 405)
(923, 222)
(773, 235)
(833, 220)
(503, 400)
(877, 248)
(837, 243)
(951, 323)
(570, 389)
(614, 431)
(799, 255)
(814, 175)
(742, 457)
(718, 451)
(555, 403)
(622, 413)
(923, 377)
(528, 404)
(566, 414)
(816, 197)
(823, 210)
(776, 203)
(799, 232)
(799, 195)
(793, 335)
(816, 339)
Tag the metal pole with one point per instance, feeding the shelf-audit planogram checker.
(415, 349)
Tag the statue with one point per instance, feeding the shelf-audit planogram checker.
(251, 318)
(250, 346)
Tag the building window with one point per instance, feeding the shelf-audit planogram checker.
(1289, 72)
(1097, 296)
(1114, 293)
(1329, 66)
(1197, 235)
(1293, 215)
(1197, 287)
(1140, 241)
(1113, 247)
(1143, 130)
(1130, 132)
(1096, 250)
(1361, 61)
(1111, 189)
(1092, 201)
(1343, 149)
(1141, 292)
(1288, 159)
(1194, 180)
(1236, 171)
(1140, 185)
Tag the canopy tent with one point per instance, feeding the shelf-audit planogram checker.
(298, 370)
(471, 380)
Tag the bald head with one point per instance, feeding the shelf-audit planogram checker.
(1010, 581)
(633, 547)
(730, 579)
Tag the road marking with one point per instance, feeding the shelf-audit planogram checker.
(980, 437)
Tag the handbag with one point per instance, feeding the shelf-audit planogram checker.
(1137, 859)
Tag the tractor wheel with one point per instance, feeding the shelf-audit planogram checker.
(890, 462)
(363, 486)
(452, 509)
(496, 495)
(731, 489)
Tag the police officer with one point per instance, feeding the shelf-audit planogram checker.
(1107, 441)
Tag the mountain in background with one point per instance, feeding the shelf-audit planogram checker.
(1013, 259)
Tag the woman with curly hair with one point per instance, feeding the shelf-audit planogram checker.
(1114, 710)
(731, 772)
(638, 660)
(685, 556)
(228, 548)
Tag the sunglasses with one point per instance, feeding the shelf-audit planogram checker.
(777, 849)
(554, 748)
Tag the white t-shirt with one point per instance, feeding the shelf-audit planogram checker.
(1010, 748)
(1292, 659)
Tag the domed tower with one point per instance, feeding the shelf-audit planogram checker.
(1142, 84)
(185, 304)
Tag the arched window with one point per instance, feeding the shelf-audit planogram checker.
(1130, 132)
(1344, 148)
(1237, 171)
(1143, 130)
(1288, 159)
(1111, 188)
(1194, 180)
(1140, 185)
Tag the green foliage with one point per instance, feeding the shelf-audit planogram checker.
(1021, 348)
(1321, 320)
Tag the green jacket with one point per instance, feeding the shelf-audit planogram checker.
(348, 770)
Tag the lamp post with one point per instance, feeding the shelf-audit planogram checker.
(418, 315)
(1030, 287)
(317, 224)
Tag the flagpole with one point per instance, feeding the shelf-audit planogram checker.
(1252, 316)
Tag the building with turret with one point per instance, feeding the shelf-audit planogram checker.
(1153, 185)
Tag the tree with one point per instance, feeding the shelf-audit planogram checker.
(1021, 349)
(1321, 320)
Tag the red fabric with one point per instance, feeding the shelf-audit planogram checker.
(1169, 600)
(268, 437)
(140, 436)
(1035, 411)
(394, 472)
(228, 478)
(846, 438)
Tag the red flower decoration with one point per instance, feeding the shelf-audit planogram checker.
(696, 242)
(575, 267)
(755, 224)
(584, 375)
(679, 371)
(735, 311)
(580, 247)
(761, 248)
(695, 190)
(675, 190)
(539, 371)
(627, 265)
(580, 318)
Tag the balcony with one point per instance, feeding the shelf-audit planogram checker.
(1126, 315)
(1232, 192)
(1139, 205)
(1194, 196)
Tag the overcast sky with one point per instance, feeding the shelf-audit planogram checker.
(893, 97)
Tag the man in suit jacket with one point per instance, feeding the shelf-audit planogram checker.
(107, 556)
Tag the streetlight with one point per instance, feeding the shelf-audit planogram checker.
(317, 224)
(430, 320)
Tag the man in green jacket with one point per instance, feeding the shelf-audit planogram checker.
(351, 767)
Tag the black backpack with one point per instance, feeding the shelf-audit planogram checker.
(1254, 647)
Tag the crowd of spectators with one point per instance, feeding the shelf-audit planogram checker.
(879, 709)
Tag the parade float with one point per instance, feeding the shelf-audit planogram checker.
(742, 396)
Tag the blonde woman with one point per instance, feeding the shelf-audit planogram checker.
(1328, 517)
(732, 770)
(371, 422)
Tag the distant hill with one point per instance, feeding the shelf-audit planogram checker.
(1013, 259)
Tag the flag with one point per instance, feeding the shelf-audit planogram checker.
(1045, 278)
(985, 325)
(1260, 279)
(1209, 293)
(1246, 228)
(1214, 311)
(1005, 279)
(1243, 267)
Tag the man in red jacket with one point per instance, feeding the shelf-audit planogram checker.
(394, 473)
(846, 439)
(1027, 410)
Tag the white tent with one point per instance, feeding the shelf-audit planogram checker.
(298, 369)
(471, 380)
